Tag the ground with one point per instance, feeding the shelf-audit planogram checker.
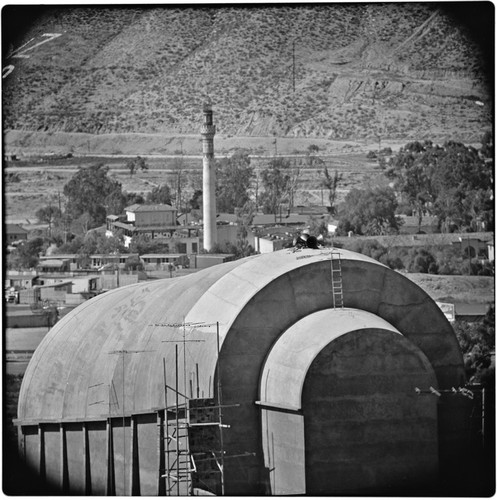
(462, 289)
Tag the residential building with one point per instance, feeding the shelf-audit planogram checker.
(14, 232)
(157, 222)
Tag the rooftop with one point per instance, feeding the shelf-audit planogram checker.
(149, 208)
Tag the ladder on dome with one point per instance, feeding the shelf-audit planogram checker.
(336, 280)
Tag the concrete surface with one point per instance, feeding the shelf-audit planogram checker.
(80, 376)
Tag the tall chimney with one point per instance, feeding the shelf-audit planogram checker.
(208, 131)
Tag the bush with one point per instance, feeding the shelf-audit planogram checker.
(421, 261)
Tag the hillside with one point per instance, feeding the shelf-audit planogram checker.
(330, 71)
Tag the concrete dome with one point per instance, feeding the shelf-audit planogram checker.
(79, 373)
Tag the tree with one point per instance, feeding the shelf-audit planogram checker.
(412, 169)
(48, 215)
(477, 341)
(244, 218)
(234, 180)
(90, 190)
(452, 182)
(82, 224)
(369, 212)
(331, 183)
(142, 244)
(160, 195)
(133, 164)
(26, 255)
(276, 182)
(196, 200)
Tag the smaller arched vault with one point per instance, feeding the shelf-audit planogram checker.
(282, 348)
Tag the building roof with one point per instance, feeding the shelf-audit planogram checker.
(15, 229)
(123, 225)
(162, 255)
(58, 284)
(55, 263)
(267, 219)
(252, 300)
(471, 309)
(150, 208)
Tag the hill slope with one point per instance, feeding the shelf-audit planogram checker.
(337, 71)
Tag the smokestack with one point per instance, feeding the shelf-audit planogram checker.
(208, 131)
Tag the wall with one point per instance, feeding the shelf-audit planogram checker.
(154, 218)
(367, 432)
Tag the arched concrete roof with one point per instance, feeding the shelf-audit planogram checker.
(76, 372)
(292, 355)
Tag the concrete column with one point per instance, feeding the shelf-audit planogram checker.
(209, 206)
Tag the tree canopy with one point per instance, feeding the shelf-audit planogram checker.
(331, 184)
(136, 163)
(90, 190)
(160, 195)
(368, 212)
(276, 184)
(48, 214)
(234, 180)
(453, 182)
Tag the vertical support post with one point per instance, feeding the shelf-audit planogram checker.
(166, 423)
(162, 469)
(63, 461)
(177, 421)
(111, 486)
(124, 433)
(134, 480)
(483, 417)
(198, 386)
(219, 399)
(86, 458)
(41, 452)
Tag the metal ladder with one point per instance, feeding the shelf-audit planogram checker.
(178, 469)
(336, 280)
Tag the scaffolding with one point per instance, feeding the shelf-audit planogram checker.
(193, 438)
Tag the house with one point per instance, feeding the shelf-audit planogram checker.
(55, 292)
(71, 258)
(14, 232)
(470, 312)
(475, 245)
(203, 260)
(53, 265)
(157, 222)
(20, 280)
(151, 216)
(164, 260)
(86, 284)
